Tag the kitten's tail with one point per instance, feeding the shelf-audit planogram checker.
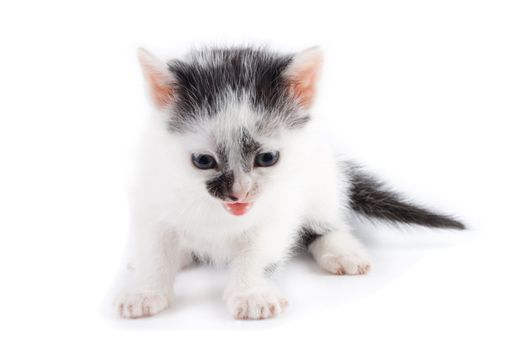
(370, 197)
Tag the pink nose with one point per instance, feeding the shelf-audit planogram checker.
(237, 196)
(233, 197)
(240, 190)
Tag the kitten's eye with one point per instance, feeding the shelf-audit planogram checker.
(203, 161)
(266, 159)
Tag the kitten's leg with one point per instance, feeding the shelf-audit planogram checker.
(339, 252)
(249, 294)
(146, 285)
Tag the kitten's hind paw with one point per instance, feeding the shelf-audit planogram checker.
(340, 253)
(351, 264)
(137, 305)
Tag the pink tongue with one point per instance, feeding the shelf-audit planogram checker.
(238, 208)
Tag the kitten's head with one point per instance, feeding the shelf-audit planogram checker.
(232, 111)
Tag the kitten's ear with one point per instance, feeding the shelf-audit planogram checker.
(302, 74)
(158, 77)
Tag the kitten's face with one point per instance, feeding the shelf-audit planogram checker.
(231, 111)
(234, 161)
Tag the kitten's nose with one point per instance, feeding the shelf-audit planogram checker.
(240, 190)
(237, 196)
(233, 197)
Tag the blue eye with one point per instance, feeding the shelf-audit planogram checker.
(266, 159)
(203, 161)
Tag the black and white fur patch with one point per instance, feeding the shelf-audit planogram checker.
(207, 80)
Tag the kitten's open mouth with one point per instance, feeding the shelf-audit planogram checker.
(237, 208)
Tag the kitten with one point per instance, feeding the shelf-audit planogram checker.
(227, 176)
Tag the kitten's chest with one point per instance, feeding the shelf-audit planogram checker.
(209, 235)
(217, 246)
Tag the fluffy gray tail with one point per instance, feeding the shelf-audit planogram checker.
(370, 198)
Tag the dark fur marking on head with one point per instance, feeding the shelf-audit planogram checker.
(221, 186)
(208, 74)
(222, 156)
(248, 147)
(205, 80)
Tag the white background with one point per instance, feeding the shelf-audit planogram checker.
(429, 95)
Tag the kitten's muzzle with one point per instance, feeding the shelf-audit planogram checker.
(239, 201)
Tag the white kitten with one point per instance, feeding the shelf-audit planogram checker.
(227, 176)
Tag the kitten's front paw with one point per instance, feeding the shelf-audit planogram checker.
(143, 304)
(351, 264)
(255, 304)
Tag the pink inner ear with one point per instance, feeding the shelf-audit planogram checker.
(158, 78)
(303, 81)
(304, 90)
(161, 90)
